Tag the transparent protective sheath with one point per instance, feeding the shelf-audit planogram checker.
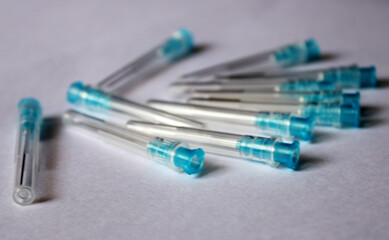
(27, 151)
(177, 46)
(279, 85)
(99, 101)
(273, 123)
(288, 55)
(346, 77)
(267, 150)
(280, 97)
(174, 155)
(326, 114)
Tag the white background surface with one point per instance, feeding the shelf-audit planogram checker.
(90, 190)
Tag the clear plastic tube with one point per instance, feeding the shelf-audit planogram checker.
(288, 55)
(281, 85)
(174, 155)
(274, 123)
(346, 77)
(281, 97)
(177, 46)
(27, 151)
(326, 114)
(96, 100)
(271, 151)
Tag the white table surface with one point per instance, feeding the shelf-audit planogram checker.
(91, 190)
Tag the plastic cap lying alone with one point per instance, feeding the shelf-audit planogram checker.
(180, 44)
(27, 148)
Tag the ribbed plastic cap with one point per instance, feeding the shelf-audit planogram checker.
(190, 160)
(297, 53)
(368, 77)
(308, 85)
(30, 108)
(349, 115)
(287, 154)
(351, 98)
(313, 49)
(302, 127)
(91, 98)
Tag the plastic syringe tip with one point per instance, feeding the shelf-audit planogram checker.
(368, 76)
(190, 160)
(302, 127)
(287, 154)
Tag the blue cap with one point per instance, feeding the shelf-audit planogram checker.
(334, 114)
(256, 148)
(179, 45)
(313, 49)
(326, 96)
(308, 85)
(302, 127)
(269, 149)
(167, 152)
(30, 110)
(287, 154)
(349, 115)
(344, 77)
(274, 122)
(297, 53)
(91, 98)
(284, 124)
(351, 98)
(368, 76)
(191, 160)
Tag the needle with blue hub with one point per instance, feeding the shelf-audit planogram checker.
(27, 151)
(281, 85)
(284, 56)
(326, 114)
(96, 100)
(101, 99)
(271, 151)
(175, 155)
(177, 46)
(345, 77)
(281, 97)
(269, 122)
